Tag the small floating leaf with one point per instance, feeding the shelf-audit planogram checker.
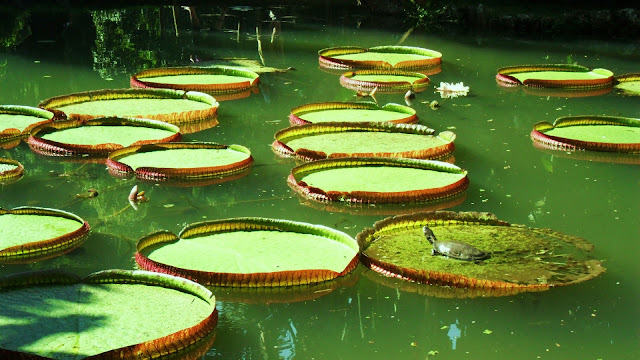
(487, 331)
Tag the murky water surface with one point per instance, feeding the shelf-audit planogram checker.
(364, 315)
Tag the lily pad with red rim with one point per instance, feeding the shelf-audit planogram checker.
(521, 258)
(351, 112)
(250, 252)
(98, 137)
(216, 80)
(628, 84)
(384, 81)
(10, 171)
(180, 162)
(168, 105)
(17, 121)
(390, 280)
(379, 57)
(564, 76)
(110, 314)
(30, 234)
(333, 140)
(378, 180)
(589, 132)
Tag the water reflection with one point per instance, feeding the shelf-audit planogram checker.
(454, 334)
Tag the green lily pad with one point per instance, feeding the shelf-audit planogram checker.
(10, 171)
(628, 84)
(555, 76)
(589, 132)
(113, 313)
(351, 112)
(180, 161)
(210, 79)
(250, 252)
(17, 121)
(379, 57)
(168, 105)
(331, 140)
(520, 258)
(384, 81)
(30, 234)
(378, 180)
(98, 137)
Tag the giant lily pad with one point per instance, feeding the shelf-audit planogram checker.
(182, 162)
(555, 76)
(98, 137)
(379, 57)
(589, 132)
(17, 121)
(168, 105)
(250, 252)
(10, 171)
(628, 84)
(378, 180)
(110, 314)
(30, 234)
(521, 258)
(208, 79)
(384, 81)
(332, 140)
(351, 112)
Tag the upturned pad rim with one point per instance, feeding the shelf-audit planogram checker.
(327, 59)
(260, 279)
(547, 141)
(177, 118)
(281, 138)
(180, 342)
(253, 79)
(44, 249)
(374, 197)
(150, 173)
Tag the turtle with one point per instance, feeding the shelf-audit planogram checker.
(453, 249)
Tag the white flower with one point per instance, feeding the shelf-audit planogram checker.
(450, 90)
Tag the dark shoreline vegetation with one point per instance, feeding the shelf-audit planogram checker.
(541, 20)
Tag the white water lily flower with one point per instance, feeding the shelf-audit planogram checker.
(450, 90)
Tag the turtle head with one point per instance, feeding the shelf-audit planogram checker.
(428, 234)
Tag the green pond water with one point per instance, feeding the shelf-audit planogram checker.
(364, 315)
